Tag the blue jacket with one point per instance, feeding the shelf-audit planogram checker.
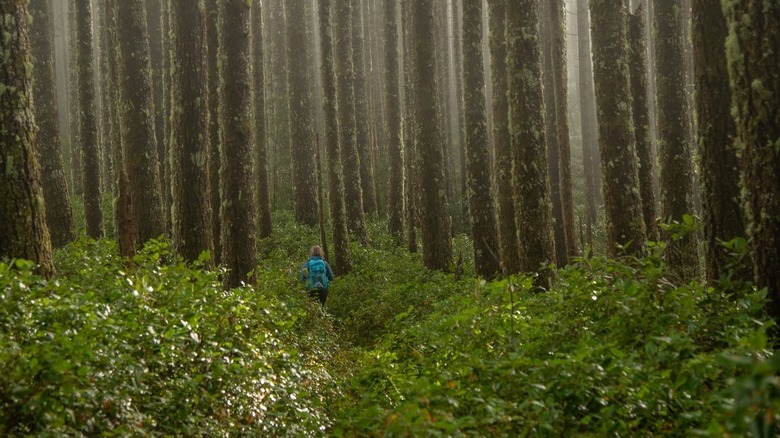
(305, 270)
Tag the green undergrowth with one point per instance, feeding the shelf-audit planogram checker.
(155, 347)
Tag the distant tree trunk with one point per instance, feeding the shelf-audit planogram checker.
(139, 148)
(106, 177)
(722, 213)
(341, 260)
(124, 229)
(434, 205)
(159, 44)
(88, 129)
(59, 214)
(350, 158)
(412, 175)
(622, 202)
(458, 143)
(23, 231)
(212, 34)
(362, 116)
(484, 231)
(674, 136)
(265, 226)
(560, 80)
(189, 122)
(503, 148)
(637, 64)
(526, 108)
(753, 57)
(395, 199)
(590, 151)
(237, 173)
(74, 142)
(301, 116)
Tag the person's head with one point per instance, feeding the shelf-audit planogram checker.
(316, 251)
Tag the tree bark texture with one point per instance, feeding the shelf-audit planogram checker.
(189, 128)
(160, 49)
(88, 129)
(106, 176)
(139, 147)
(265, 226)
(527, 132)
(215, 200)
(237, 212)
(395, 198)
(484, 230)
(434, 204)
(23, 231)
(674, 142)
(304, 175)
(59, 214)
(637, 62)
(753, 56)
(74, 143)
(622, 200)
(412, 190)
(341, 258)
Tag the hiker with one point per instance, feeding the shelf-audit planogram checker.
(317, 274)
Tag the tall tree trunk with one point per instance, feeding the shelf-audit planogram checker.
(139, 148)
(434, 205)
(74, 142)
(481, 198)
(753, 57)
(503, 149)
(88, 129)
(106, 176)
(237, 212)
(59, 214)
(189, 120)
(215, 200)
(301, 116)
(622, 202)
(265, 226)
(160, 47)
(395, 199)
(590, 153)
(458, 143)
(23, 231)
(412, 191)
(526, 106)
(637, 61)
(362, 116)
(341, 260)
(722, 213)
(674, 136)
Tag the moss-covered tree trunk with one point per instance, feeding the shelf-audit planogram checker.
(160, 50)
(23, 231)
(304, 178)
(362, 115)
(59, 214)
(393, 126)
(74, 142)
(527, 133)
(716, 136)
(622, 201)
(350, 157)
(139, 147)
(106, 176)
(341, 259)
(753, 56)
(674, 142)
(189, 123)
(265, 226)
(637, 61)
(212, 35)
(237, 212)
(482, 208)
(507, 230)
(435, 218)
(88, 129)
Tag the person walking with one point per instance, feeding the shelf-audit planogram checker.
(317, 274)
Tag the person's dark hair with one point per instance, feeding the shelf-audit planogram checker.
(316, 251)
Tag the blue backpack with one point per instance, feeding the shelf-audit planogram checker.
(318, 275)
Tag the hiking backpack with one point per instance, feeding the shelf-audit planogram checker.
(318, 275)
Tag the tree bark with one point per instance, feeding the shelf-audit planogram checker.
(393, 126)
(265, 226)
(160, 49)
(215, 116)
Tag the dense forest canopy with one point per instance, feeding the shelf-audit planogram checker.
(544, 217)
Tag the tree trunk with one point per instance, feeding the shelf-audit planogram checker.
(526, 106)
(215, 200)
(139, 148)
(751, 49)
(74, 142)
(484, 231)
(434, 205)
(622, 202)
(160, 49)
(637, 61)
(88, 129)
(362, 116)
(106, 176)
(59, 214)
(265, 226)
(410, 130)
(674, 136)
(237, 212)
(393, 125)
